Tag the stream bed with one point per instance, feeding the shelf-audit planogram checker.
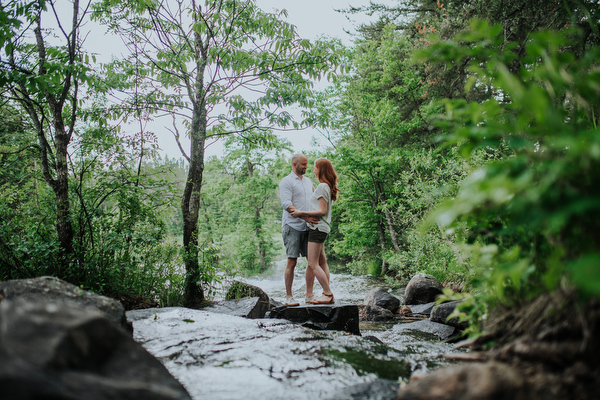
(218, 356)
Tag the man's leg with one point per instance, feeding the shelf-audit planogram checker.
(288, 276)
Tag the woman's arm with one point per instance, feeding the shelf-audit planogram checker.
(317, 213)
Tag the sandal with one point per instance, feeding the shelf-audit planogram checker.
(324, 299)
(290, 302)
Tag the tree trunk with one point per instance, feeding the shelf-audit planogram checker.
(190, 206)
(381, 232)
(390, 223)
(259, 236)
(63, 216)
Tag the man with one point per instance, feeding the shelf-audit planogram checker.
(295, 191)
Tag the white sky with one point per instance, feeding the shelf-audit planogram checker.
(313, 19)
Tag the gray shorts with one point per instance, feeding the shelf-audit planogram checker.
(295, 242)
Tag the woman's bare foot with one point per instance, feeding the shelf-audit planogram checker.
(324, 299)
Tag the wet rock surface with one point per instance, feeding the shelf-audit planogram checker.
(220, 356)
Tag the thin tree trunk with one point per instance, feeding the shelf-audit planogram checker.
(390, 223)
(381, 233)
(190, 207)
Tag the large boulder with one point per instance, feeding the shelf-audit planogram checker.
(48, 289)
(422, 289)
(56, 349)
(380, 297)
(321, 316)
(241, 290)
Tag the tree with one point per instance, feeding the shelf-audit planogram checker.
(46, 78)
(221, 68)
(251, 159)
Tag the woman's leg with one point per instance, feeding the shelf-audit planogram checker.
(314, 254)
(323, 263)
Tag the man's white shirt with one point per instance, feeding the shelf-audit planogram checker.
(295, 191)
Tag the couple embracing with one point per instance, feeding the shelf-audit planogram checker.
(305, 225)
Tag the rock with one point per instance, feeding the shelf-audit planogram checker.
(248, 307)
(422, 308)
(56, 349)
(49, 289)
(374, 313)
(238, 290)
(381, 298)
(380, 389)
(467, 382)
(421, 289)
(404, 311)
(442, 331)
(441, 312)
(321, 316)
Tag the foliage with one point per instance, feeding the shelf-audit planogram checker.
(532, 215)
(225, 68)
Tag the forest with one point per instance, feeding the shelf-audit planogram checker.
(464, 133)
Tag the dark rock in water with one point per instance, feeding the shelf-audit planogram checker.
(380, 389)
(441, 312)
(55, 349)
(374, 313)
(248, 307)
(49, 289)
(422, 308)
(442, 331)
(321, 316)
(421, 289)
(381, 298)
(466, 382)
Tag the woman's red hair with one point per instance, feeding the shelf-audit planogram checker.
(328, 175)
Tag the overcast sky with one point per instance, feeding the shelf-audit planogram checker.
(313, 19)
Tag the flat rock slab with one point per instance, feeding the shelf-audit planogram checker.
(338, 317)
(442, 331)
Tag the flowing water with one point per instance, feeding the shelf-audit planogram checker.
(218, 356)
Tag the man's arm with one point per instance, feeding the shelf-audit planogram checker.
(285, 193)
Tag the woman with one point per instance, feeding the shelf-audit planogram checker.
(320, 204)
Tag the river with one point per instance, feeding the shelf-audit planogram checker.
(218, 356)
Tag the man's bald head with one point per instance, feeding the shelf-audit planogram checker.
(299, 164)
